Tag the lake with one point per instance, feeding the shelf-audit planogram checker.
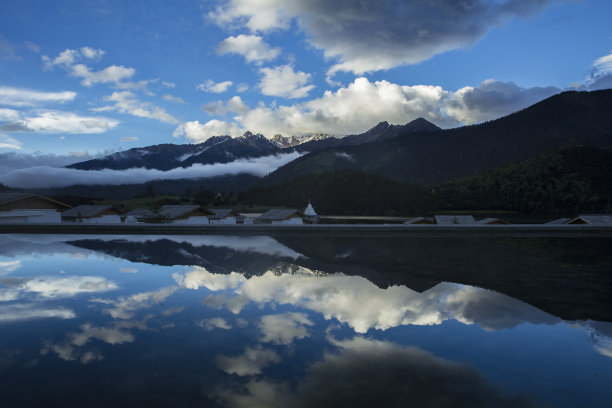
(305, 319)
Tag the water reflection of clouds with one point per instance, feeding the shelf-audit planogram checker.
(53, 287)
(362, 305)
(284, 328)
(125, 307)
(367, 373)
(26, 311)
(251, 362)
(6, 267)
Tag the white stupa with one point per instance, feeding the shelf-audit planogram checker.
(311, 214)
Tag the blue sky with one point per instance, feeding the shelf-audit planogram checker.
(80, 78)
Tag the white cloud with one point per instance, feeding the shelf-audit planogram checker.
(200, 277)
(7, 142)
(127, 102)
(111, 74)
(7, 267)
(59, 287)
(67, 122)
(19, 312)
(284, 328)
(233, 105)
(128, 270)
(20, 97)
(362, 104)
(251, 362)
(127, 306)
(353, 109)
(92, 53)
(601, 74)
(9, 115)
(173, 99)
(211, 86)
(251, 47)
(285, 82)
(363, 306)
(168, 84)
(197, 132)
(214, 323)
(376, 35)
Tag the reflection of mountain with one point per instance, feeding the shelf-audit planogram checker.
(218, 254)
(568, 278)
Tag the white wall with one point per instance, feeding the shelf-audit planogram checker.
(30, 216)
(105, 219)
(291, 221)
(192, 221)
(225, 221)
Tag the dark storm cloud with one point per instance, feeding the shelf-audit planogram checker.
(492, 99)
(369, 373)
(370, 35)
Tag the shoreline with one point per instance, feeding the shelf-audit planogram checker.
(352, 229)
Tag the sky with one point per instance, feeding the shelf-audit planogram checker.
(79, 79)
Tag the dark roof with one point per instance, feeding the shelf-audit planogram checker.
(88, 211)
(176, 211)
(559, 221)
(489, 220)
(593, 219)
(279, 214)
(140, 213)
(454, 219)
(220, 213)
(8, 197)
(419, 220)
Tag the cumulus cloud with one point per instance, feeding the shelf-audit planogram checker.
(492, 99)
(92, 53)
(233, 105)
(251, 362)
(21, 97)
(284, 328)
(366, 373)
(362, 104)
(251, 47)
(363, 306)
(214, 87)
(200, 277)
(7, 142)
(200, 132)
(285, 82)
(376, 35)
(352, 109)
(127, 102)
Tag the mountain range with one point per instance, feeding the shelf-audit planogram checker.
(225, 149)
(417, 153)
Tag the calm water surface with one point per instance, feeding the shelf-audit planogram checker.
(304, 320)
